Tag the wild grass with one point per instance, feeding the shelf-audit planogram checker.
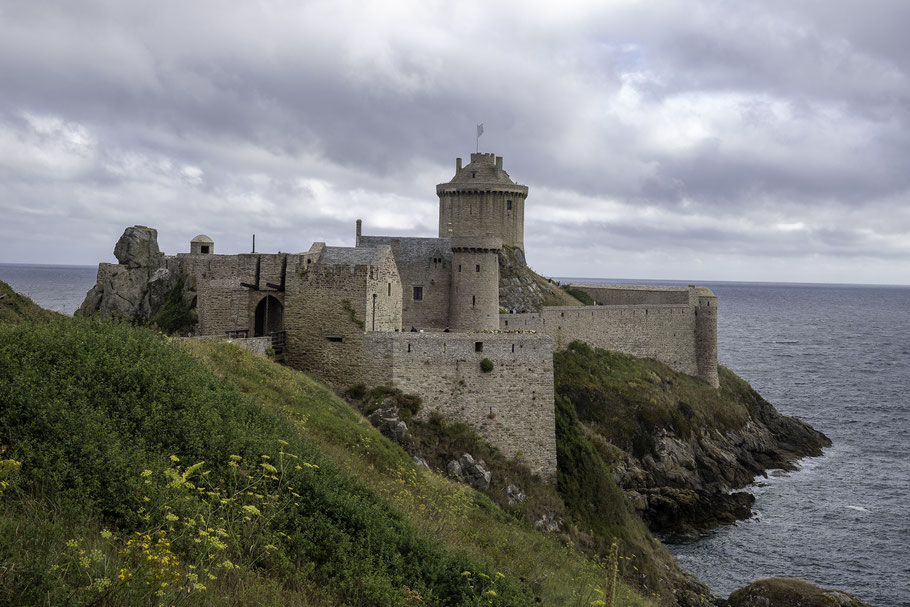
(456, 516)
(16, 308)
(156, 474)
(629, 400)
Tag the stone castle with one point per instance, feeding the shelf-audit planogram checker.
(420, 314)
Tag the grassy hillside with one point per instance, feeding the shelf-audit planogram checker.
(16, 308)
(138, 471)
(627, 399)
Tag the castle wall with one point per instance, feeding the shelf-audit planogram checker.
(328, 310)
(706, 337)
(664, 332)
(612, 295)
(511, 406)
(435, 282)
(222, 305)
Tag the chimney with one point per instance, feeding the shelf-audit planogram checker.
(498, 165)
(457, 165)
(357, 239)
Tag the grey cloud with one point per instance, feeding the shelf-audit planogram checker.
(288, 118)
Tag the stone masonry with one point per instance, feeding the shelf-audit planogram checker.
(418, 313)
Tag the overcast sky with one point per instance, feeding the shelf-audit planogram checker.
(713, 140)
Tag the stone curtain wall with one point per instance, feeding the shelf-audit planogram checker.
(610, 295)
(511, 406)
(666, 333)
(675, 325)
(383, 282)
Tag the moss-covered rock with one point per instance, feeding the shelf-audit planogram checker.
(790, 592)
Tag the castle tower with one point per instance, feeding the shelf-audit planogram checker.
(474, 298)
(706, 336)
(482, 199)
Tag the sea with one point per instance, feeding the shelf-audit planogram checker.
(836, 356)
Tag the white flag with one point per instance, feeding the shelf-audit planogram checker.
(480, 129)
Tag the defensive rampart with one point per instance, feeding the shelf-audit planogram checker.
(511, 405)
(675, 325)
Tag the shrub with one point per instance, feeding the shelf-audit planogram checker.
(176, 315)
(486, 365)
(117, 428)
(580, 295)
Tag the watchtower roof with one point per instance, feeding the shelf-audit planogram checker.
(484, 171)
(202, 238)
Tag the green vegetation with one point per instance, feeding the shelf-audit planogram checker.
(486, 365)
(16, 308)
(150, 473)
(346, 304)
(176, 316)
(627, 400)
(580, 295)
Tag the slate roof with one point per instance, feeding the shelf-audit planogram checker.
(411, 250)
(353, 256)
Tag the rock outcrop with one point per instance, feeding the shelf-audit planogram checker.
(522, 290)
(137, 286)
(473, 473)
(389, 423)
(790, 592)
(692, 484)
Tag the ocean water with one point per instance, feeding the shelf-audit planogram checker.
(837, 356)
(58, 288)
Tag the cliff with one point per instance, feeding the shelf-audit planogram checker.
(678, 448)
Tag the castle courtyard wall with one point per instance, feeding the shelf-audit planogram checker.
(511, 406)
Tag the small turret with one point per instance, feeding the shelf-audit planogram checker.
(474, 299)
(706, 336)
(202, 245)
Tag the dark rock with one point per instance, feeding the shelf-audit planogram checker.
(138, 248)
(453, 469)
(790, 592)
(387, 421)
(465, 469)
(160, 284)
(514, 495)
(475, 473)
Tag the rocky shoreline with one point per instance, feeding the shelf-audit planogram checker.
(694, 484)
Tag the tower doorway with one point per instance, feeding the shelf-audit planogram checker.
(269, 316)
